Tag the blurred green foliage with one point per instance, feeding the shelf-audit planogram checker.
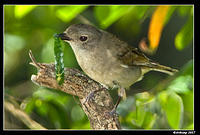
(167, 102)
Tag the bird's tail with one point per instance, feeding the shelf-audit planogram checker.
(161, 68)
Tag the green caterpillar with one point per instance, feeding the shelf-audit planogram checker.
(59, 63)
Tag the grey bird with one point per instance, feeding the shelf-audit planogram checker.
(108, 60)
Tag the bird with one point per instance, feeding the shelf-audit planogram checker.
(107, 59)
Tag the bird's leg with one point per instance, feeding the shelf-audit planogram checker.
(115, 107)
(116, 86)
(121, 94)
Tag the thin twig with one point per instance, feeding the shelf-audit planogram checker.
(34, 63)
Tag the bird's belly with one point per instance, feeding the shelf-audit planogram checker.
(105, 73)
(125, 77)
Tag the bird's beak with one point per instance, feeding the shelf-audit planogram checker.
(64, 36)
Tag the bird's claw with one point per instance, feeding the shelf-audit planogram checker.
(90, 96)
(111, 113)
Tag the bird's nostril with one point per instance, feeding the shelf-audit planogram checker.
(64, 36)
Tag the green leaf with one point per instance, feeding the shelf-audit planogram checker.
(187, 68)
(190, 127)
(29, 106)
(181, 84)
(184, 10)
(145, 102)
(54, 115)
(172, 104)
(144, 97)
(188, 101)
(139, 11)
(185, 36)
(184, 82)
(77, 111)
(51, 105)
(67, 13)
(149, 120)
(139, 114)
(169, 14)
(142, 117)
(22, 10)
(47, 95)
(107, 15)
(42, 107)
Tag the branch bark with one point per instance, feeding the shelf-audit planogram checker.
(77, 84)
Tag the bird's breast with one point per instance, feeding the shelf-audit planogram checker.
(104, 68)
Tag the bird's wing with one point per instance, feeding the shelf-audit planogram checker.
(131, 56)
(126, 54)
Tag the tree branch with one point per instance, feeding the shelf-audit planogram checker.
(22, 116)
(76, 83)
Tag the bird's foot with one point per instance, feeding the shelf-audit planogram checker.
(91, 95)
(112, 113)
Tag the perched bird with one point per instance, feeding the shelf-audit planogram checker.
(108, 60)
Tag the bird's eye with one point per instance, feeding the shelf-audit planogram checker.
(83, 38)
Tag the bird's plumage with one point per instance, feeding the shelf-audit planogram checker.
(106, 59)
